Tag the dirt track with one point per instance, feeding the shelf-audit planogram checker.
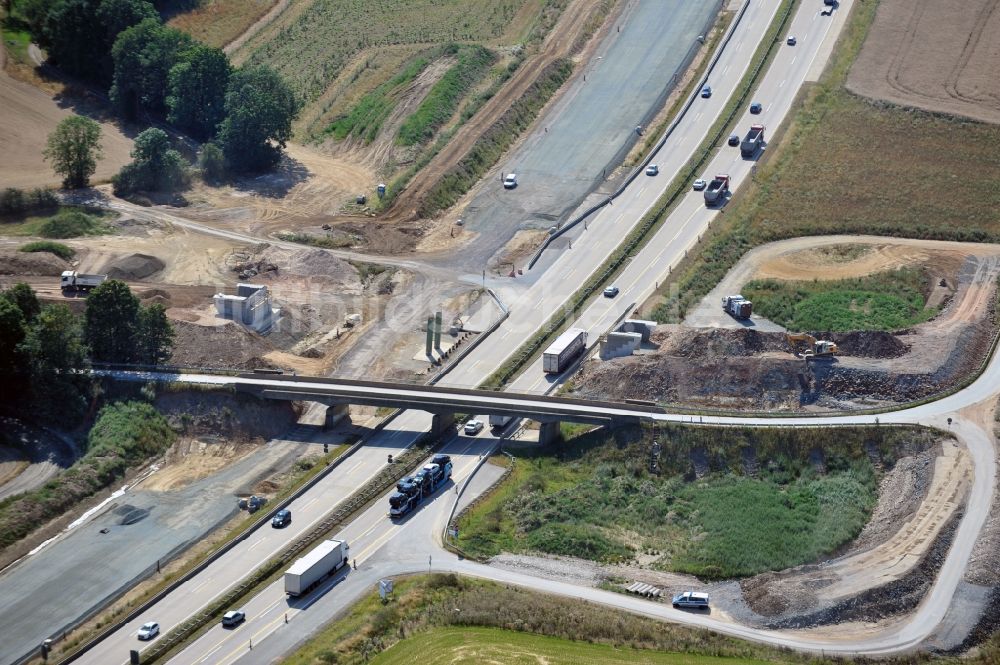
(939, 56)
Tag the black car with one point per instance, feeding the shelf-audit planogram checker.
(734, 139)
(281, 519)
(756, 108)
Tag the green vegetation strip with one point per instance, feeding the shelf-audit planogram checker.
(496, 140)
(443, 98)
(653, 219)
(274, 568)
(67, 223)
(62, 251)
(725, 502)
(329, 241)
(885, 301)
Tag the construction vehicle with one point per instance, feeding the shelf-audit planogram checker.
(715, 193)
(814, 348)
(737, 306)
(74, 281)
(306, 573)
(410, 491)
(753, 141)
(561, 352)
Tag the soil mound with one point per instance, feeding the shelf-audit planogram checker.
(228, 346)
(869, 344)
(133, 267)
(13, 262)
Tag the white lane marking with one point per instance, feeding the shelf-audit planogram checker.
(793, 61)
(257, 542)
(782, 83)
(357, 466)
(309, 503)
(197, 588)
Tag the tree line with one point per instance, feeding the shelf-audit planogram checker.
(45, 350)
(157, 73)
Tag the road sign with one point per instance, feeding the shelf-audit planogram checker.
(384, 589)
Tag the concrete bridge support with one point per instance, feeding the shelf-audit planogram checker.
(549, 433)
(335, 414)
(441, 423)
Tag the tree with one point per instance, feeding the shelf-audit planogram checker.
(260, 108)
(155, 166)
(71, 34)
(56, 357)
(116, 16)
(12, 332)
(74, 148)
(212, 163)
(196, 96)
(111, 323)
(143, 56)
(24, 298)
(156, 335)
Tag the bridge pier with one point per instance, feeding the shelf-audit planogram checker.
(441, 423)
(549, 432)
(335, 414)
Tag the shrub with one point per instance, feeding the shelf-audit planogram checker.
(62, 251)
(70, 223)
(15, 201)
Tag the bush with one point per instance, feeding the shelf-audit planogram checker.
(70, 223)
(15, 201)
(57, 248)
(212, 163)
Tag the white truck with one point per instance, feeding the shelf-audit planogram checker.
(307, 572)
(74, 281)
(561, 352)
(500, 421)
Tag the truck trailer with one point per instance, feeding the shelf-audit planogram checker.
(715, 192)
(564, 350)
(500, 421)
(753, 141)
(307, 572)
(412, 490)
(737, 306)
(74, 281)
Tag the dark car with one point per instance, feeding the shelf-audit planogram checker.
(706, 92)
(282, 518)
(734, 139)
(611, 292)
(756, 108)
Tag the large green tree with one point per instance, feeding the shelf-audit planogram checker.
(143, 56)
(111, 323)
(72, 36)
(56, 357)
(155, 166)
(12, 332)
(196, 97)
(116, 16)
(23, 296)
(156, 335)
(260, 108)
(74, 147)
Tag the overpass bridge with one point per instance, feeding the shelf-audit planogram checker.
(440, 401)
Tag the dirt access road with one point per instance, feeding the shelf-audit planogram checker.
(27, 117)
(934, 55)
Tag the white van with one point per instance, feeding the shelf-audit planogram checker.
(691, 599)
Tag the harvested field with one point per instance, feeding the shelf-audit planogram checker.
(938, 56)
(220, 22)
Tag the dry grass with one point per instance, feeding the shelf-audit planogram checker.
(218, 22)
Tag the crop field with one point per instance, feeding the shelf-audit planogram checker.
(311, 44)
(848, 165)
(886, 301)
(218, 22)
(454, 646)
(729, 503)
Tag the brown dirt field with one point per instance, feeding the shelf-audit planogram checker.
(939, 56)
(29, 116)
(192, 459)
(224, 22)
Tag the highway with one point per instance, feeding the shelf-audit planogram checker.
(377, 543)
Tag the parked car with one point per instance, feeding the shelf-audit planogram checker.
(233, 618)
(734, 139)
(149, 630)
(510, 182)
(706, 92)
(474, 427)
(756, 108)
(699, 185)
(282, 518)
(792, 41)
(652, 169)
(611, 292)
(692, 599)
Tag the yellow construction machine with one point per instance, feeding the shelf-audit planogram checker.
(813, 348)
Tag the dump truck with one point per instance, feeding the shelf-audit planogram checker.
(564, 350)
(737, 306)
(307, 572)
(74, 281)
(813, 348)
(410, 491)
(753, 141)
(715, 192)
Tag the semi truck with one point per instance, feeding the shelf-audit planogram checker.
(715, 192)
(737, 306)
(410, 491)
(500, 421)
(74, 281)
(307, 572)
(561, 352)
(753, 141)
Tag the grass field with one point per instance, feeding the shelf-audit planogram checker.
(455, 646)
(366, 117)
(886, 301)
(595, 498)
(67, 223)
(16, 38)
(57, 248)
(218, 22)
(848, 165)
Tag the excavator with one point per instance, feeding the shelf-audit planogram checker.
(814, 348)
